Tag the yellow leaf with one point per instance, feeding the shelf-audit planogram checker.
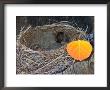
(79, 50)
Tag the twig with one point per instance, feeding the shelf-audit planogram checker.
(31, 51)
(49, 63)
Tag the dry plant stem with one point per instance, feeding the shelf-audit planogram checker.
(74, 67)
(49, 63)
(36, 52)
(22, 28)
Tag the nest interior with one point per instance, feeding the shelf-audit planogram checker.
(47, 37)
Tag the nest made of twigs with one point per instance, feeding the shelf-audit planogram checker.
(38, 51)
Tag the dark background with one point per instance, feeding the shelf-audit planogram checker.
(76, 21)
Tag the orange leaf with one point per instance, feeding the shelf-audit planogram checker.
(79, 50)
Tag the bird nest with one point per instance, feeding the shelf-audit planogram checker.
(41, 50)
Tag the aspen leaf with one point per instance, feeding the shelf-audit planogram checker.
(79, 50)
